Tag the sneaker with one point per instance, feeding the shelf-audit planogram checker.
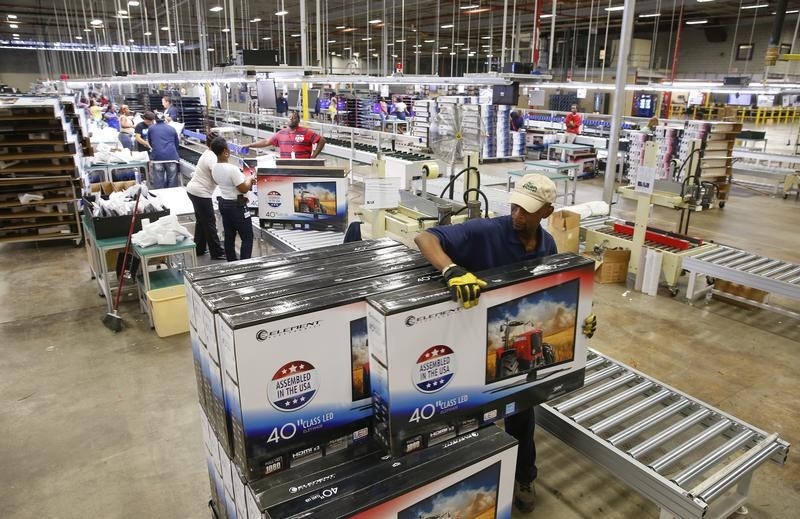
(524, 496)
(219, 257)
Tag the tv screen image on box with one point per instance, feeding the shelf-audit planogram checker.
(359, 359)
(317, 198)
(532, 332)
(473, 497)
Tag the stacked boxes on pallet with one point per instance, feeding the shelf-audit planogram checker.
(668, 142)
(288, 379)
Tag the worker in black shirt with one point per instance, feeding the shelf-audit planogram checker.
(140, 132)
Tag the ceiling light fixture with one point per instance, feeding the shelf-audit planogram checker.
(148, 33)
(755, 6)
(349, 29)
(13, 25)
(615, 8)
(365, 39)
(216, 9)
(266, 38)
(226, 30)
(399, 41)
(85, 30)
(331, 41)
(11, 16)
(443, 48)
(447, 26)
(181, 42)
(430, 41)
(15, 34)
(543, 16)
(78, 37)
(704, 1)
(476, 11)
(295, 35)
(255, 20)
(458, 44)
(793, 11)
(133, 3)
(122, 12)
(651, 15)
(696, 22)
(96, 22)
(375, 21)
(281, 13)
(471, 6)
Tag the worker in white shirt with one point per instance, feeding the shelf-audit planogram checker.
(233, 186)
(201, 190)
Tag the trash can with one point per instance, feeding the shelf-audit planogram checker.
(168, 308)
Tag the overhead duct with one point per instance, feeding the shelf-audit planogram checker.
(773, 49)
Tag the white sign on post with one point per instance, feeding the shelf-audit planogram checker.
(645, 180)
(381, 193)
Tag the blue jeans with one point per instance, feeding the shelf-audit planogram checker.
(163, 174)
(236, 220)
(126, 140)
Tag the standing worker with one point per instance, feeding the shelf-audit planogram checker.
(164, 156)
(142, 129)
(480, 244)
(282, 105)
(200, 190)
(572, 122)
(170, 111)
(294, 142)
(126, 131)
(233, 184)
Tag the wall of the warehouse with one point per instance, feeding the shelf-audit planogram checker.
(20, 68)
(698, 56)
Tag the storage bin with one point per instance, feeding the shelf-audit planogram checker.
(168, 308)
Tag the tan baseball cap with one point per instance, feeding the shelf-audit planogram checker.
(533, 192)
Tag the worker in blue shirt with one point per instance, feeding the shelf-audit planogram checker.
(164, 143)
(480, 244)
(282, 105)
(170, 111)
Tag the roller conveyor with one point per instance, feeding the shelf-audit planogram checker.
(751, 270)
(690, 459)
(288, 240)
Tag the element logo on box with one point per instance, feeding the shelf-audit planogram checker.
(313, 483)
(263, 335)
(411, 320)
(293, 386)
(434, 368)
(274, 199)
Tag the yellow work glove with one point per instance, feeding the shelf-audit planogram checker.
(590, 325)
(464, 286)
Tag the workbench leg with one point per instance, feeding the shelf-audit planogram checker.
(690, 286)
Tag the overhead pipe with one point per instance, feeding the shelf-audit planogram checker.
(552, 36)
(773, 50)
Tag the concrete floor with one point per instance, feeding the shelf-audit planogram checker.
(95, 424)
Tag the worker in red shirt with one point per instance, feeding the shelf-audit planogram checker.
(294, 142)
(572, 122)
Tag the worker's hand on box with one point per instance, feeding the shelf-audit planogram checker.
(590, 325)
(465, 287)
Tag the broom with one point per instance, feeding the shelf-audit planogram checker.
(112, 320)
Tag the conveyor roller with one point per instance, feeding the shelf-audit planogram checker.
(658, 440)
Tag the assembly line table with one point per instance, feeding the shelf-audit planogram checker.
(565, 172)
(565, 147)
(98, 251)
(162, 278)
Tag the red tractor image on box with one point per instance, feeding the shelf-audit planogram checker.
(522, 352)
(309, 203)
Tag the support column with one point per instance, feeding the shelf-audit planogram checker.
(619, 98)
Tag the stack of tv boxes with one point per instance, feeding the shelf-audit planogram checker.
(293, 352)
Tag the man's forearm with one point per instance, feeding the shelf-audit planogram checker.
(430, 247)
(263, 143)
(318, 148)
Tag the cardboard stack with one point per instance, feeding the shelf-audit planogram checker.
(438, 370)
(292, 362)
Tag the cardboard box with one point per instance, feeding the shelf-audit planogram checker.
(230, 291)
(735, 289)
(296, 372)
(470, 476)
(215, 270)
(304, 196)
(611, 266)
(437, 368)
(565, 228)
